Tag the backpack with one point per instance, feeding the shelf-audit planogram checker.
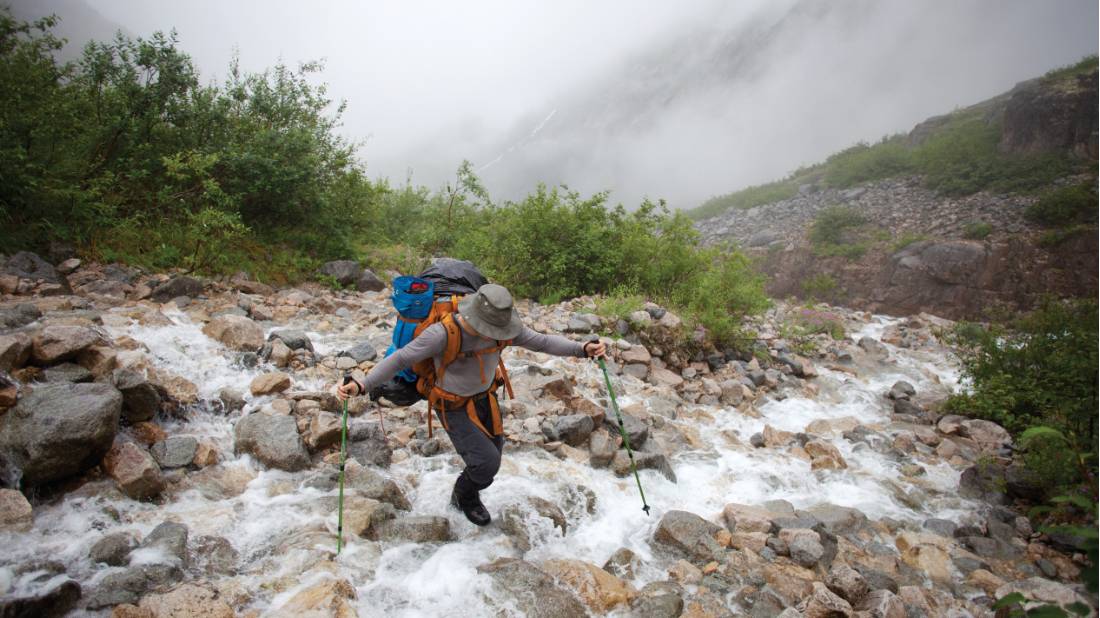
(421, 301)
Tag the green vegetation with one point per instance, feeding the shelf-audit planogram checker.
(958, 156)
(1065, 206)
(128, 156)
(1039, 370)
(905, 240)
(1053, 238)
(839, 231)
(821, 286)
(619, 304)
(977, 230)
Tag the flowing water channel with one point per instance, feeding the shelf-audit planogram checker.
(284, 531)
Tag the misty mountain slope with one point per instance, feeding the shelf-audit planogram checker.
(738, 100)
(78, 23)
(989, 206)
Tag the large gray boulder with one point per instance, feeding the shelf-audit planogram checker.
(178, 286)
(369, 282)
(27, 265)
(345, 272)
(19, 315)
(293, 339)
(535, 593)
(55, 344)
(272, 439)
(636, 429)
(60, 430)
(236, 332)
(690, 535)
(664, 599)
(140, 399)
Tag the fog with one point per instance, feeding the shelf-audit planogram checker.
(675, 100)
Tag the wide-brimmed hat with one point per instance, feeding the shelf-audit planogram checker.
(491, 313)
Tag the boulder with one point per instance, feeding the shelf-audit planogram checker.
(573, 429)
(57, 599)
(602, 447)
(1042, 590)
(369, 282)
(170, 538)
(330, 597)
(362, 351)
(273, 440)
(176, 451)
(532, 517)
(847, 583)
(990, 436)
(30, 266)
(18, 316)
(345, 272)
(643, 460)
(822, 603)
(67, 372)
(57, 343)
(838, 519)
(100, 360)
(636, 429)
(690, 535)
(745, 518)
(113, 549)
(134, 470)
(636, 354)
(664, 599)
(236, 332)
(664, 377)
(15, 512)
(360, 514)
(901, 390)
(176, 287)
(984, 481)
(598, 589)
(370, 484)
(415, 529)
(60, 430)
(536, 594)
(293, 339)
(140, 399)
(368, 445)
(15, 351)
(883, 604)
(804, 546)
(130, 585)
(270, 383)
(187, 601)
(824, 456)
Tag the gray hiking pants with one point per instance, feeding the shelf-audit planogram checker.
(479, 452)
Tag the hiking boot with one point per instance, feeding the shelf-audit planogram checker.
(474, 510)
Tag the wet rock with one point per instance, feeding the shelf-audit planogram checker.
(984, 481)
(659, 600)
(822, 603)
(791, 581)
(1025, 484)
(134, 470)
(636, 354)
(535, 593)
(27, 265)
(130, 585)
(414, 528)
(213, 555)
(533, 515)
(997, 549)
(231, 399)
(774, 438)
(175, 452)
(362, 351)
(990, 436)
(187, 601)
(269, 383)
(15, 512)
(1043, 590)
(170, 538)
(573, 429)
(838, 519)
(293, 339)
(100, 360)
(368, 445)
(690, 535)
(804, 546)
(636, 370)
(746, 518)
(602, 448)
(621, 563)
(360, 514)
(60, 430)
(67, 372)
(236, 332)
(54, 344)
(847, 583)
(140, 399)
(330, 597)
(636, 429)
(824, 456)
(113, 549)
(942, 527)
(874, 347)
(663, 377)
(598, 589)
(324, 430)
(15, 351)
(901, 390)
(883, 604)
(54, 602)
(371, 484)
(273, 440)
(176, 287)
(277, 353)
(986, 581)
(643, 461)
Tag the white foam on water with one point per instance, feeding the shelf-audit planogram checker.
(285, 532)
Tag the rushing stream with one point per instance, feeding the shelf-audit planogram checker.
(283, 530)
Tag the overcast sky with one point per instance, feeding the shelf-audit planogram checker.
(431, 82)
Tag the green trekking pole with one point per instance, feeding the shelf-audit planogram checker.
(343, 456)
(622, 432)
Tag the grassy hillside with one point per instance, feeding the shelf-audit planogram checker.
(959, 156)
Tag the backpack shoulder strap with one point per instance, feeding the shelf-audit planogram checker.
(453, 346)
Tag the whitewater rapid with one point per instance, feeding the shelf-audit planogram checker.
(284, 531)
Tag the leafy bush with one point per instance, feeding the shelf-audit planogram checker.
(977, 230)
(619, 304)
(863, 163)
(747, 198)
(836, 231)
(905, 240)
(1053, 238)
(1065, 206)
(1041, 369)
(821, 286)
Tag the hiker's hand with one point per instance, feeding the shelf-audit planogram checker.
(350, 389)
(595, 349)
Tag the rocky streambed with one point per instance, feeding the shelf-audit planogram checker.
(174, 446)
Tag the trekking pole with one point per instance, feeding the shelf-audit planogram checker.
(622, 432)
(343, 456)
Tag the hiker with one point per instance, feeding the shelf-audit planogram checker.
(465, 398)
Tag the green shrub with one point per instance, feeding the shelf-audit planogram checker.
(620, 303)
(863, 163)
(905, 240)
(749, 197)
(1053, 238)
(1040, 369)
(977, 230)
(1065, 206)
(821, 286)
(839, 231)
